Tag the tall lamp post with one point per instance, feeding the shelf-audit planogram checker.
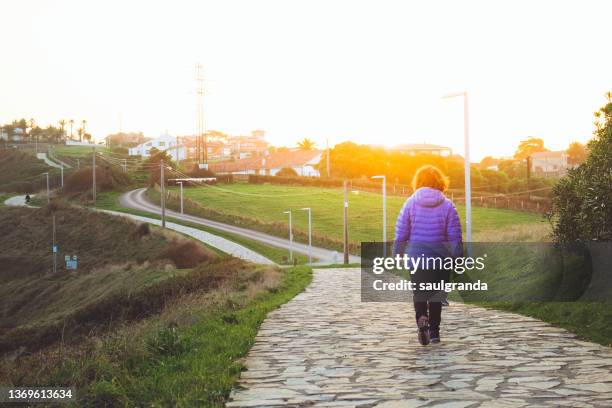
(290, 236)
(309, 233)
(384, 208)
(181, 184)
(466, 141)
(47, 174)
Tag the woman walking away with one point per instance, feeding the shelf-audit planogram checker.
(428, 226)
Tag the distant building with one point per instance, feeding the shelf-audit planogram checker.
(248, 146)
(549, 164)
(162, 143)
(302, 161)
(12, 134)
(423, 148)
(216, 149)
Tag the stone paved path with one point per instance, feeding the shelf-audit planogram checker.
(326, 348)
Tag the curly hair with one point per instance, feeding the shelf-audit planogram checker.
(429, 176)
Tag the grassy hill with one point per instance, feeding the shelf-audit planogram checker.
(134, 325)
(22, 172)
(261, 207)
(116, 258)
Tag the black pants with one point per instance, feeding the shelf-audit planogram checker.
(428, 303)
(434, 314)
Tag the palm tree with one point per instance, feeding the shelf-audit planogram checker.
(306, 144)
(71, 121)
(83, 127)
(62, 124)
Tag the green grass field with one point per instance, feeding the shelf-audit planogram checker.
(267, 203)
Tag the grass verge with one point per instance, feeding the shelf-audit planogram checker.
(588, 320)
(188, 355)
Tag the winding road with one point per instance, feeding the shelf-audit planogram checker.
(137, 200)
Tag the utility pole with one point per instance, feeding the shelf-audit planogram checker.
(290, 237)
(54, 248)
(327, 158)
(181, 183)
(528, 170)
(163, 194)
(528, 176)
(78, 164)
(468, 182)
(201, 142)
(177, 151)
(125, 165)
(384, 211)
(466, 144)
(94, 176)
(47, 174)
(309, 234)
(62, 173)
(345, 236)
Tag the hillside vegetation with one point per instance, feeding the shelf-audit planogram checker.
(118, 262)
(22, 173)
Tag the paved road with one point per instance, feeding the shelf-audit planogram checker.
(136, 199)
(223, 244)
(48, 162)
(16, 201)
(326, 348)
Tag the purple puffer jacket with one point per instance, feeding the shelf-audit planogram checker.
(427, 217)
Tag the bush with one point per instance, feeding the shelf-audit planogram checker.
(186, 254)
(581, 200)
(287, 172)
(107, 179)
(196, 171)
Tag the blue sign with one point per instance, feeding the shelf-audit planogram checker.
(71, 263)
(55, 249)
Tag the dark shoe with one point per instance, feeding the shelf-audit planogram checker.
(434, 335)
(423, 333)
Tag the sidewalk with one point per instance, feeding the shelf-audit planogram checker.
(327, 348)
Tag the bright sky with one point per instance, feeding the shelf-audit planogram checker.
(371, 72)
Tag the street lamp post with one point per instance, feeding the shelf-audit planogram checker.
(181, 184)
(466, 141)
(309, 233)
(290, 236)
(162, 184)
(47, 174)
(384, 207)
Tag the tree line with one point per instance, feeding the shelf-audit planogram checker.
(24, 130)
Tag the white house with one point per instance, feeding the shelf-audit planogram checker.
(165, 142)
(549, 164)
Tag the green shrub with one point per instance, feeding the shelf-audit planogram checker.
(582, 200)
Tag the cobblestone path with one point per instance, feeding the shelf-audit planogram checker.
(326, 348)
